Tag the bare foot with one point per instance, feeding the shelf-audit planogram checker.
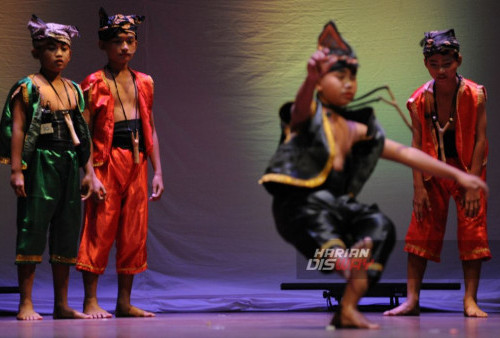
(348, 315)
(92, 308)
(26, 312)
(132, 311)
(406, 309)
(472, 310)
(353, 319)
(65, 312)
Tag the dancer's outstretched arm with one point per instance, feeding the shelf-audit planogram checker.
(417, 159)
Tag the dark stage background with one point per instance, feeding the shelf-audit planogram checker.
(222, 68)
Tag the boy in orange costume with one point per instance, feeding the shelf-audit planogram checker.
(449, 123)
(120, 117)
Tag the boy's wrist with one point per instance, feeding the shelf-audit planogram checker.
(311, 79)
(418, 183)
(87, 173)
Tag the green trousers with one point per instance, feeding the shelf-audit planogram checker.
(52, 205)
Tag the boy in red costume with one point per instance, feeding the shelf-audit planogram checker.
(449, 123)
(120, 118)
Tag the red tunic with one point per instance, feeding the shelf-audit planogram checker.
(102, 104)
(469, 96)
(425, 238)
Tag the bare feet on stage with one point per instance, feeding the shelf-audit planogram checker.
(65, 312)
(471, 309)
(415, 274)
(92, 308)
(408, 308)
(26, 312)
(124, 308)
(132, 311)
(472, 271)
(347, 315)
(351, 318)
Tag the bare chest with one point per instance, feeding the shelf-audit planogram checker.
(343, 140)
(446, 111)
(57, 97)
(124, 93)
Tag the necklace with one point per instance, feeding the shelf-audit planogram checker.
(435, 119)
(134, 134)
(65, 112)
(55, 91)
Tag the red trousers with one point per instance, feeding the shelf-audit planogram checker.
(123, 217)
(425, 238)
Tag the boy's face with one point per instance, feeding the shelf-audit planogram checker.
(121, 48)
(443, 67)
(338, 87)
(54, 56)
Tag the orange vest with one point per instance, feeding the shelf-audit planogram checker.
(102, 104)
(470, 95)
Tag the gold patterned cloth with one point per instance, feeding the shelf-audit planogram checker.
(435, 42)
(110, 26)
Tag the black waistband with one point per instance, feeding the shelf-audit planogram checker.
(450, 147)
(54, 115)
(56, 145)
(54, 132)
(122, 134)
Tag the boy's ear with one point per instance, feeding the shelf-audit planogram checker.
(102, 44)
(36, 53)
(459, 59)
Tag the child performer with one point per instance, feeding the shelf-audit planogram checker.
(45, 138)
(326, 154)
(449, 123)
(119, 113)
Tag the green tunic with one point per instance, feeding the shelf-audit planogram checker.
(51, 177)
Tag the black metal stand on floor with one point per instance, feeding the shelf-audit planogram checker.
(391, 290)
(9, 289)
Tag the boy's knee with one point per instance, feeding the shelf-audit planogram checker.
(383, 229)
(384, 238)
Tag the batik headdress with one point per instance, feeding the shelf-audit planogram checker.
(40, 31)
(110, 26)
(435, 42)
(330, 38)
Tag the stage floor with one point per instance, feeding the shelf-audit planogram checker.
(253, 324)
